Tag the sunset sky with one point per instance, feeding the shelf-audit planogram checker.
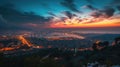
(40, 14)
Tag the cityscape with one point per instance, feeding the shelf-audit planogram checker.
(59, 33)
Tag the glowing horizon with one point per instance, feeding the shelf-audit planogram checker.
(75, 23)
(29, 15)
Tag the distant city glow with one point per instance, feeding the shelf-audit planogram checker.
(24, 41)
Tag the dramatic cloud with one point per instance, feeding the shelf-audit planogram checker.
(12, 19)
(115, 2)
(36, 16)
(14, 16)
(118, 7)
(52, 14)
(70, 5)
(96, 14)
(69, 14)
(90, 7)
(105, 13)
(109, 12)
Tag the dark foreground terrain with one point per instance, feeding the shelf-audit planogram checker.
(102, 53)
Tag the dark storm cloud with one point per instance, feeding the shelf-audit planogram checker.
(12, 19)
(105, 13)
(14, 16)
(109, 12)
(70, 5)
(69, 14)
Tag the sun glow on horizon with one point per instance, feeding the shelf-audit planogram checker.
(75, 22)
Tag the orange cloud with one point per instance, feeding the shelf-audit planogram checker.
(88, 22)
